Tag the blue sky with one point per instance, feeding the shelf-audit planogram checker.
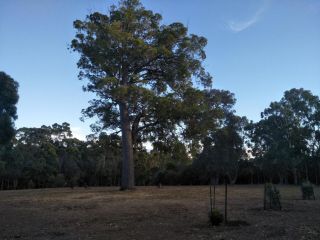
(256, 49)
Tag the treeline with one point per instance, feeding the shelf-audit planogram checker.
(282, 147)
(150, 86)
(49, 157)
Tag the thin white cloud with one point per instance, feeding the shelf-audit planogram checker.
(238, 26)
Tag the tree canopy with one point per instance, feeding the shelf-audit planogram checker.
(8, 110)
(285, 139)
(139, 70)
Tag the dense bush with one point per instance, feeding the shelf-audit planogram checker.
(272, 197)
(215, 217)
(307, 191)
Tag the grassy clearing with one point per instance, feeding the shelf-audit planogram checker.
(151, 213)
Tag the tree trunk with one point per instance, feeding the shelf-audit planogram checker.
(15, 184)
(281, 179)
(286, 179)
(234, 179)
(295, 176)
(127, 176)
(307, 173)
(319, 168)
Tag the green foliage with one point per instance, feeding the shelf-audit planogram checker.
(140, 71)
(49, 157)
(284, 140)
(159, 177)
(158, 64)
(223, 149)
(8, 111)
(215, 217)
(57, 181)
(189, 176)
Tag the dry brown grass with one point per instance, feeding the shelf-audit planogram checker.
(152, 213)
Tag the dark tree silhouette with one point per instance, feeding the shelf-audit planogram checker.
(8, 110)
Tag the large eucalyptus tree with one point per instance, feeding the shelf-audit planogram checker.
(139, 70)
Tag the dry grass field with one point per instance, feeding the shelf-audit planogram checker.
(151, 213)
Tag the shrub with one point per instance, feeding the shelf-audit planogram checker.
(215, 217)
(171, 178)
(72, 182)
(271, 197)
(188, 176)
(59, 181)
(56, 181)
(158, 177)
(171, 167)
(307, 191)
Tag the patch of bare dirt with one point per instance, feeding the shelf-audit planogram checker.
(152, 213)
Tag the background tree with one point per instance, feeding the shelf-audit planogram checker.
(8, 111)
(223, 149)
(205, 112)
(139, 70)
(285, 138)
